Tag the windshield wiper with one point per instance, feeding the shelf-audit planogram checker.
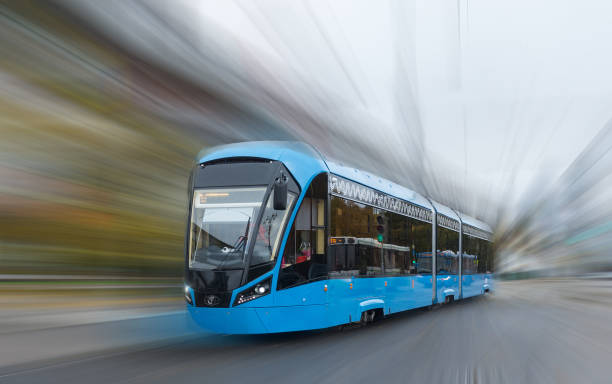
(238, 246)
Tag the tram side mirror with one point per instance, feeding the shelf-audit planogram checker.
(280, 193)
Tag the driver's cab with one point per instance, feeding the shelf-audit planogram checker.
(239, 208)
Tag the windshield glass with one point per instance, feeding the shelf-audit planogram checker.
(268, 236)
(220, 223)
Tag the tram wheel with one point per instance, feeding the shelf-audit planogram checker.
(368, 316)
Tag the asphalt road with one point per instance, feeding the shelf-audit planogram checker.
(528, 332)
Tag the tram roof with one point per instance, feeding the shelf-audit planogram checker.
(469, 220)
(446, 211)
(376, 182)
(303, 160)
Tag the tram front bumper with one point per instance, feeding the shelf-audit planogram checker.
(233, 320)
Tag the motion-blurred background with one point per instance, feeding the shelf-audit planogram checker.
(499, 109)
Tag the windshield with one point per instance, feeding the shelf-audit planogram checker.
(220, 223)
(268, 235)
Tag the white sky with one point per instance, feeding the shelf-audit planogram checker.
(530, 79)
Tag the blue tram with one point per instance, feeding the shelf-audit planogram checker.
(280, 239)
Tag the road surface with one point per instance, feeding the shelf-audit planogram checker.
(545, 331)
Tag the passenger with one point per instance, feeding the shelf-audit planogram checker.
(305, 252)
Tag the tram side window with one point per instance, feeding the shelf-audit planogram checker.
(485, 259)
(368, 259)
(353, 249)
(399, 260)
(420, 245)
(304, 256)
(490, 262)
(447, 255)
(490, 257)
(470, 255)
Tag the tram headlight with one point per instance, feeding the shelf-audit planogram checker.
(258, 290)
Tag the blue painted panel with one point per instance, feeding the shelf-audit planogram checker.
(474, 284)
(306, 294)
(297, 318)
(370, 293)
(471, 285)
(447, 285)
(228, 320)
(408, 292)
(466, 286)
(368, 288)
(488, 282)
(423, 286)
(403, 293)
(344, 301)
(344, 296)
(398, 293)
